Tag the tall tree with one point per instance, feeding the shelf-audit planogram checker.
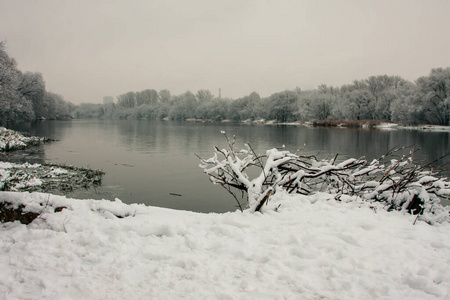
(184, 106)
(382, 88)
(245, 108)
(359, 105)
(13, 106)
(204, 96)
(407, 108)
(435, 91)
(127, 100)
(283, 106)
(148, 96)
(32, 87)
(164, 95)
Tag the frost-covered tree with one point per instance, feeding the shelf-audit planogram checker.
(381, 87)
(165, 96)
(23, 95)
(215, 110)
(434, 90)
(204, 96)
(109, 109)
(13, 106)
(283, 106)
(148, 96)
(56, 107)
(184, 106)
(245, 108)
(8, 82)
(359, 104)
(407, 107)
(32, 87)
(316, 105)
(127, 100)
(89, 111)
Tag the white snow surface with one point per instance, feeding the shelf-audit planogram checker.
(310, 248)
(10, 139)
(386, 125)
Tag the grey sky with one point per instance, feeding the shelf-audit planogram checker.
(89, 49)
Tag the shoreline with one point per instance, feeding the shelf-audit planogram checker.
(363, 124)
(40, 177)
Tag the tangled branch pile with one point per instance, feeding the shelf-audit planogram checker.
(393, 180)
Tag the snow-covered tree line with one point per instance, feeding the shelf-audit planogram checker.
(388, 98)
(385, 98)
(23, 96)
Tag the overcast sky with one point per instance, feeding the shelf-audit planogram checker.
(89, 49)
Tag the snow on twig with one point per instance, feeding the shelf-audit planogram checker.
(393, 179)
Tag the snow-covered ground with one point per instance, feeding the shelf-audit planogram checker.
(310, 248)
(432, 128)
(420, 127)
(13, 140)
(46, 177)
(387, 126)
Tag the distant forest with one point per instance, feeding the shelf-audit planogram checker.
(384, 98)
(23, 97)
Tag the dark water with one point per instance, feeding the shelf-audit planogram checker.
(146, 161)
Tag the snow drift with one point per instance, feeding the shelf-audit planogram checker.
(312, 247)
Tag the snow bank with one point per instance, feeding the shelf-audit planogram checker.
(385, 125)
(310, 248)
(433, 128)
(12, 140)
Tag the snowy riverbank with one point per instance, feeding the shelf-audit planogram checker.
(40, 177)
(11, 140)
(335, 123)
(311, 248)
(46, 177)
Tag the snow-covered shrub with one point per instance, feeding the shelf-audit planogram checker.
(393, 180)
(12, 140)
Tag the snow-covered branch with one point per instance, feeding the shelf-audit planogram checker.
(393, 179)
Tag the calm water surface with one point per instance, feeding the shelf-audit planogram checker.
(146, 161)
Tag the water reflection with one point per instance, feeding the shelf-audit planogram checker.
(146, 161)
(34, 155)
